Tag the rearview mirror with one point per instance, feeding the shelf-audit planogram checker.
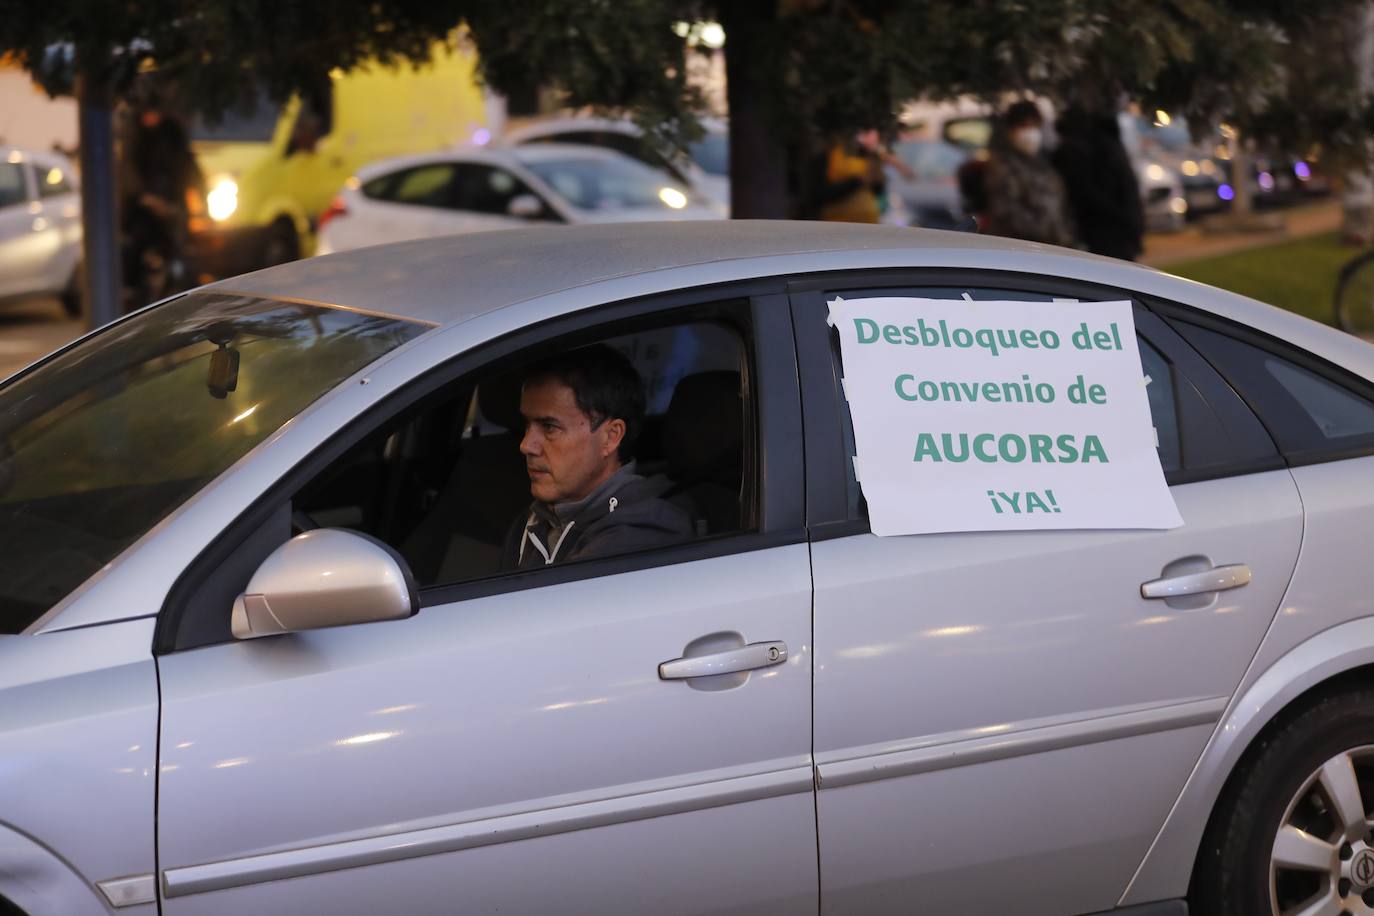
(525, 206)
(324, 578)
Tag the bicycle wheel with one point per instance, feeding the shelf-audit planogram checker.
(1355, 296)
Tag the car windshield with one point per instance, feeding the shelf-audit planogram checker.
(609, 183)
(253, 124)
(103, 441)
(712, 153)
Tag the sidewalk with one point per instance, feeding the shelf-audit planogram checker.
(33, 328)
(1164, 249)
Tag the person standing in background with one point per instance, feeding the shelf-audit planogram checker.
(1025, 197)
(1103, 192)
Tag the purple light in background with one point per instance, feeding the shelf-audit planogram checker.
(1302, 170)
(481, 136)
(1266, 181)
(1226, 192)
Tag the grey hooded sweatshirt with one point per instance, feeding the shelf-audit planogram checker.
(624, 514)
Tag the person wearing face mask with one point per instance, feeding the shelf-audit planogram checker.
(1025, 196)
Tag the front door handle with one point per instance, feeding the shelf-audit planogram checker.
(745, 658)
(1217, 579)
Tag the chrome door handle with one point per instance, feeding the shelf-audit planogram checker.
(745, 658)
(1217, 579)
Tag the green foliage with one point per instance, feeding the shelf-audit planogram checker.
(1283, 72)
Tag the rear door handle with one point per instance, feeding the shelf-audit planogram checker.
(1217, 579)
(745, 658)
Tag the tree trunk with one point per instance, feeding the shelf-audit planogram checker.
(99, 219)
(758, 151)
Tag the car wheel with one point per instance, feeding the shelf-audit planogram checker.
(281, 244)
(71, 295)
(1292, 836)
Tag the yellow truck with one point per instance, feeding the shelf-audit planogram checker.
(270, 172)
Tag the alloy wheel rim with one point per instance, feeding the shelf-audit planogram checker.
(1322, 859)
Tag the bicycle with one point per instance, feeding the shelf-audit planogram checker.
(1354, 298)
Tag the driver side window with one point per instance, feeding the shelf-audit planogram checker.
(446, 484)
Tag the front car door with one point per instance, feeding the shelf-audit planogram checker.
(512, 747)
(21, 247)
(1002, 720)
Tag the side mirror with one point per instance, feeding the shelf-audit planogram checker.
(324, 578)
(525, 206)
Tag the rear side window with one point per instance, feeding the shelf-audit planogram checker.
(424, 186)
(11, 184)
(484, 189)
(1312, 412)
(52, 181)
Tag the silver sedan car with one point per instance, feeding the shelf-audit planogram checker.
(267, 652)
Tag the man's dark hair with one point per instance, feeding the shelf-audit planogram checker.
(605, 385)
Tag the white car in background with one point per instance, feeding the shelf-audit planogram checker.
(40, 227)
(477, 190)
(705, 167)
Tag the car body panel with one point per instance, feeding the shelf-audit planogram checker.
(516, 718)
(40, 238)
(1059, 667)
(78, 754)
(1324, 627)
(481, 288)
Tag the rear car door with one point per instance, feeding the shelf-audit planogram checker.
(1002, 720)
(514, 747)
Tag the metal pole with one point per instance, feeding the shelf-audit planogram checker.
(99, 217)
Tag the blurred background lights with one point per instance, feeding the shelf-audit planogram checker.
(1226, 192)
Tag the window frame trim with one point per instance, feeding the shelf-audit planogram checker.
(781, 481)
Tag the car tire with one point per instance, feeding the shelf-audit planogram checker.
(70, 297)
(1300, 776)
(281, 244)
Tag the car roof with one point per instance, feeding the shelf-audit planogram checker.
(426, 279)
(450, 279)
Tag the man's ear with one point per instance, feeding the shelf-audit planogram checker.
(615, 434)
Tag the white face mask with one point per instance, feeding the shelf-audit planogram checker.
(1027, 139)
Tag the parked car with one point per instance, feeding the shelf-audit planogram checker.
(477, 190)
(931, 195)
(40, 228)
(705, 168)
(271, 170)
(969, 723)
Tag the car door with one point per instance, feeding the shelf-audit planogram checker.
(1002, 720)
(20, 246)
(513, 746)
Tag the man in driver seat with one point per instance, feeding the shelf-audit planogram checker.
(583, 411)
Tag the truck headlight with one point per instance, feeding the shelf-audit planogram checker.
(223, 199)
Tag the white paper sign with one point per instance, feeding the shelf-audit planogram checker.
(990, 416)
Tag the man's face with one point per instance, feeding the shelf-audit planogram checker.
(566, 458)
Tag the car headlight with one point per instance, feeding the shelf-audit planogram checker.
(223, 199)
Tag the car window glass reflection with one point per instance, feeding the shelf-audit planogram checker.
(101, 442)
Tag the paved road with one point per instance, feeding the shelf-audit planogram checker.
(31, 328)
